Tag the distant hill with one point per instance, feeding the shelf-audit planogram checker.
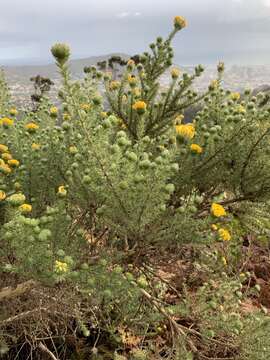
(23, 73)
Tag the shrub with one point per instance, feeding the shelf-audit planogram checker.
(88, 189)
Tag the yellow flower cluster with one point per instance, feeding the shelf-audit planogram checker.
(196, 149)
(224, 234)
(60, 266)
(218, 210)
(31, 127)
(6, 122)
(187, 131)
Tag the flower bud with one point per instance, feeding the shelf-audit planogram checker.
(61, 53)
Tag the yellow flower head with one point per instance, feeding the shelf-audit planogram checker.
(62, 191)
(4, 168)
(130, 64)
(2, 195)
(60, 267)
(13, 111)
(186, 130)
(35, 146)
(114, 85)
(66, 116)
(140, 107)
(6, 122)
(175, 73)
(214, 227)
(235, 96)
(25, 208)
(132, 80)
(13, 163)
(85, 107)
(136, 91)
(224, 234)
(31, 127)
(213, 85)
(6, 156)
(103, 114)
(240, 109)
(180, 22)
(73, 150)
(3, 148)
(218, 210)
(53, 111)
(196, 149)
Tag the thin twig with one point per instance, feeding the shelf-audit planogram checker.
(45, 349)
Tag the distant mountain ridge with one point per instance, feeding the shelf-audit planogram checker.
(24, 72)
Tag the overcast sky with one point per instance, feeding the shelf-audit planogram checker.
(236, 31)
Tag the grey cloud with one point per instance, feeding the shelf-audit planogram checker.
(228, 29)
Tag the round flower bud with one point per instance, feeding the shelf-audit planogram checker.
(16, 199)
(169, 188)
(145, 164)
(66, 126)
(86, 179)
(61, 53)
(179, 22)
(123, 185)
(131, 156)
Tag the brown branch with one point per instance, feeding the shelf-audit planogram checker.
(45, 349)
(9, 292)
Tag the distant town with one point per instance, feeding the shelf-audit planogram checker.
(236, 78)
